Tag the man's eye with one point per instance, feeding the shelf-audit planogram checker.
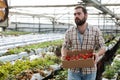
(77, 14)
(74, 14)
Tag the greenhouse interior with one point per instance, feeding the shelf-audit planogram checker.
(32, 33)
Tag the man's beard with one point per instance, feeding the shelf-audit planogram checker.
(80, 22)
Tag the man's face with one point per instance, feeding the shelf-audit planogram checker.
(80, 17)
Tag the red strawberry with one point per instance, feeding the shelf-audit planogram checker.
(73, 57)
(85, 57)
(67, 58)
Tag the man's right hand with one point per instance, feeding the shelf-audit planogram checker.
(62, 58)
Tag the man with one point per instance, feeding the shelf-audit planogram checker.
(83, 36)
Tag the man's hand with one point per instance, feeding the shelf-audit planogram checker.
(96, 56)
(62, 58)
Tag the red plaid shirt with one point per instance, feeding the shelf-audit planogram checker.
(92, 39)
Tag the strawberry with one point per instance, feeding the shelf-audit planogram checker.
(68, 58)
(84, 57)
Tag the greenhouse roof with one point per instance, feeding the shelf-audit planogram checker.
(62, 10)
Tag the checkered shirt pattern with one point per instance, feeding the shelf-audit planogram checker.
(92, 38)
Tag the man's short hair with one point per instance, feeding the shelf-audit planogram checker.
(82, 7)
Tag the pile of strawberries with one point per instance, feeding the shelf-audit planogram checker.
(79, 56)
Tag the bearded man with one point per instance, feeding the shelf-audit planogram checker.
(79, 37)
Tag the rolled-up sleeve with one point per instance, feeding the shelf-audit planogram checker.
(66, 43)
(99, 39)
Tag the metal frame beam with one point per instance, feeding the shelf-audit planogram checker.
(92, 4)
(28, 14)
(99, 6)
(34, 6)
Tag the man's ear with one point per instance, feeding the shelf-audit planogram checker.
(86, 15)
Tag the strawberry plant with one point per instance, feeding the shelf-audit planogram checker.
(62, 75)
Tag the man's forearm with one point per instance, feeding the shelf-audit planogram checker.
(64, 52)
(101, 51)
